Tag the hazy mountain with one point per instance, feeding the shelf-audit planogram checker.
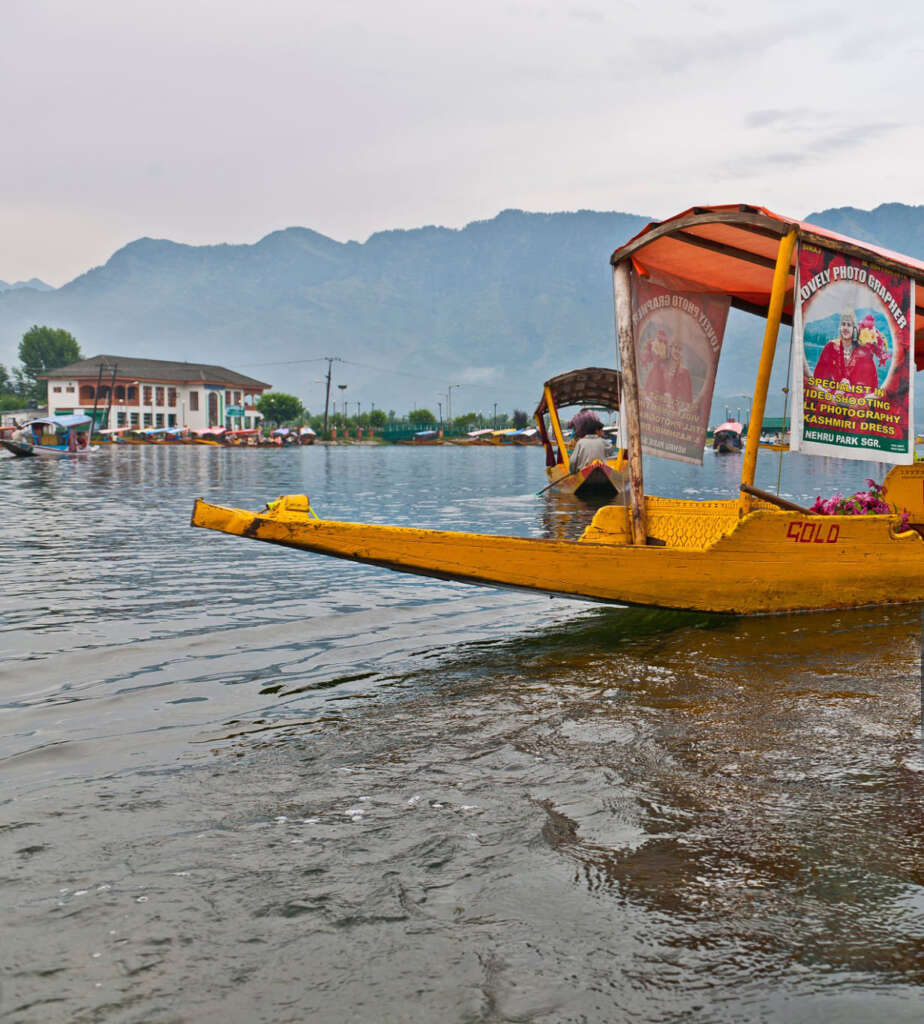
(33, 282)
(892, 226)
(496, 306)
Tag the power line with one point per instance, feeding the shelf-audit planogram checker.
(377, 369)
(289, 362)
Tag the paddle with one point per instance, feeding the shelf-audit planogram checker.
(775, 499)
(562, 479)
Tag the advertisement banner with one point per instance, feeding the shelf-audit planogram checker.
(853, 381)
(678, 337)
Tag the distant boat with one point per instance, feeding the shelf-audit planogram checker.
(526, 435)
(593, 385)
(115, 435)
(53, 436)
(474, 438)
(726, 438)
(424, 437)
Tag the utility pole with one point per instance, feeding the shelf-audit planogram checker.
(449, 402)
(330, 362)
(495, 415)
(99, 380)
(109, 404)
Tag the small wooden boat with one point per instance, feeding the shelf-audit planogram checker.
(474, 439)
(726, 438)
(212, 436)
(165, 435)
(753, 553)
(116, 435)
(424, 437)
(593, 385)
(526, 436)
(53, 437)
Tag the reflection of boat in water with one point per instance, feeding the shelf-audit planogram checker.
(52, 437)
(595, 386)
(726, 438)
(753, 553)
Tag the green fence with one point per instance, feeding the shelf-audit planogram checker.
(404, 430)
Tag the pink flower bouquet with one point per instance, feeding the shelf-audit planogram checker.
(863, 503)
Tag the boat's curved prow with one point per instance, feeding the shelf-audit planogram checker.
(700, 555)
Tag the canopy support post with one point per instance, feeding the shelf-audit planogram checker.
(556, 429)
(622, 296)
(761, 386)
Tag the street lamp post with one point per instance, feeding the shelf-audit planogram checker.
(449, 402)
(495, 415)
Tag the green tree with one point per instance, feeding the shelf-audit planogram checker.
(43, 349)
(9, 401)
(465, 422)
(378, 418)
(279, 408)
(520, 419)
(421, 416)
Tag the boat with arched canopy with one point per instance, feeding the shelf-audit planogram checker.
(751, 553)
(52, 437)
(596, 386)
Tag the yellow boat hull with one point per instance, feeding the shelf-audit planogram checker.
(595, 478)
(700, 556)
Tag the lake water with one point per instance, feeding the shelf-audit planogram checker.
(242, 783)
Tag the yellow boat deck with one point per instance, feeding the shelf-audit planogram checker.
(703, 555)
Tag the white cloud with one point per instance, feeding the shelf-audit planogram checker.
(205, 122)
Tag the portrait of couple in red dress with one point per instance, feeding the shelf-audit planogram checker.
(668, 375)
(850, 359)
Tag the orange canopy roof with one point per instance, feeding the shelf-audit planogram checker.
(731, 250)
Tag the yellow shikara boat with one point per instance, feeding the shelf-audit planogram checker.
(751, 554)
(593, 385)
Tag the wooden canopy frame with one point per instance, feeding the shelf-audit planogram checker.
(747, 253)
(593, 385)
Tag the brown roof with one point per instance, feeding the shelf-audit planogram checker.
(593, 385)
(155, 370)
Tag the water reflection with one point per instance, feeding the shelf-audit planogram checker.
(516, 807)
(565, 517)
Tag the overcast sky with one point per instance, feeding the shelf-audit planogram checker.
(206, 121)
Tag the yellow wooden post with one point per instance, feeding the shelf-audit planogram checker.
(556, 429)
(759, 404)
(622, 296)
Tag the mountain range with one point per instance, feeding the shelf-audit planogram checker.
(33, 282)
(495, 307)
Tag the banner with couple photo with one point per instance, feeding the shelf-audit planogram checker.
(678, 338)
(852, 382)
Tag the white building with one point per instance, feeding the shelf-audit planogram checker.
(155, 393)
